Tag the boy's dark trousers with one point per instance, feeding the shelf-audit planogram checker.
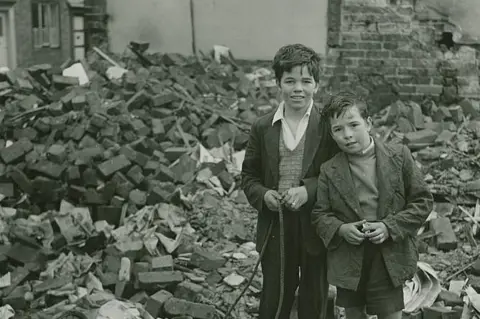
(312, 282)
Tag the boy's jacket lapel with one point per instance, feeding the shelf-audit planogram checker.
(272, 141)
(312, 141)
(342, 180)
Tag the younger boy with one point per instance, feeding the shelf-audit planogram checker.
(371, 200)
(281, 167)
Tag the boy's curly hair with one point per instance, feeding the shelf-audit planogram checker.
(340, 102)
(292, 55)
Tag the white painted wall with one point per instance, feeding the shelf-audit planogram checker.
(253, 29)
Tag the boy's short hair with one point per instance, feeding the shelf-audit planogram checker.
(292, 55)
(340, 102)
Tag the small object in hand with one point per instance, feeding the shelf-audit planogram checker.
(362, 228)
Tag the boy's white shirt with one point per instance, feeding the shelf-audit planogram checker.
(291, 140)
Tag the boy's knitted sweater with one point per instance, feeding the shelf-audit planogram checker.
(290, 166)
(364, 175)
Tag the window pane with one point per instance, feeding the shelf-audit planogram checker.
(35, 22)
(54, 15)
(44, 15)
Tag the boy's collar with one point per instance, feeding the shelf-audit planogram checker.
(279, 114)
(369, 147)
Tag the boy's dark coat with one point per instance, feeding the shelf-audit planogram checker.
(404, 204)
(260, 172)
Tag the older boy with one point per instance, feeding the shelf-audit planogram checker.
(281, 166)
(371, 200)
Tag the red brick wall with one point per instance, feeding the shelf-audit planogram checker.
(27, 55)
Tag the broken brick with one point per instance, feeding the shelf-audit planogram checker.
(113, 165)
(445, 236)
(162, 263)
(179, 307)
(15, 151)
(207, 260)
(154, 278)
(155, 302)
(421, 137)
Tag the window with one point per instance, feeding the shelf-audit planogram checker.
(45, 23)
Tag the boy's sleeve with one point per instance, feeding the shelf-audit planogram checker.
(419, 202)
(311, 186)
(324, 221)
(252, 171)
(329, 148)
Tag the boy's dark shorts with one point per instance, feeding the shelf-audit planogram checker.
(375, 290)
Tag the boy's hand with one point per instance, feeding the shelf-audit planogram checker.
(295, 197)
(351, 232)
(272, 199)
(376, 232)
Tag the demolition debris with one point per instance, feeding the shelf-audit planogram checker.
(119, 189)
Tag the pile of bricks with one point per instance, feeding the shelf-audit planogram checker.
(112, 148)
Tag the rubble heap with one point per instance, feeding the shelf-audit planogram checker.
(97, 170)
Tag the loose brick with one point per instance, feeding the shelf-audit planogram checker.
(21, 180)
(469, 109)
(57, 153)
(415, 116)
(7, 189)
(111, 214)
(188, 291)
(441, 114)
(93, 197)
(52, 284)
(438, 313)
(164, 174)
(207, 260)
(140, 297)
(64, 81)
(111, 166)
(140, 128)
(135, 174)
(158, 195)
(79, 102)
(179, 307)
(138, 197)
(47, 168)
(138, 100)
(154, 278)
(162, 263)
(450, 298)
(161, 100)
(28, 133)
(457, 113)
(155, 302)
(445, 236)
(174, 153)
(15, 151)
(158, 129)
(421, 137)
(445, 137)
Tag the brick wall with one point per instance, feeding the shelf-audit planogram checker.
(27, 55)
(386, 50)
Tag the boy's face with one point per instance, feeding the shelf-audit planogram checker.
(351, 131)
(297, 88)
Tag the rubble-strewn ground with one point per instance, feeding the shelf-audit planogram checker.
(121, 195)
